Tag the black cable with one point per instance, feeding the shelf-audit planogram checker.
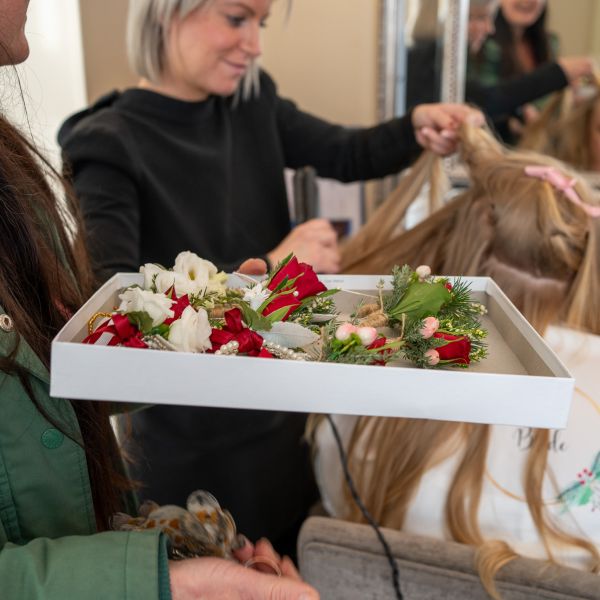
(364, 510)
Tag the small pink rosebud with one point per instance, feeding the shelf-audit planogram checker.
(344, 331)
(432, 357)
(423, 271)
(426, 332)
(367, 335)
(430, 326)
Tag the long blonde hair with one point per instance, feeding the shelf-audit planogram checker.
(543, 251)
(564, 129)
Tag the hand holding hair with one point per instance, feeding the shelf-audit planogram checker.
(576, 67)
(436, 125)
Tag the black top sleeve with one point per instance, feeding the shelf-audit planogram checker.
(344, 153)
(504, 98)
(103, 175)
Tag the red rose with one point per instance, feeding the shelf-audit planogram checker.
(307, 283)
(180, 305)
(378, 343)
(281, 301)
(249, 341)
(456, 350)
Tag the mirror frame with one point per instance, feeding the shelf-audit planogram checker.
(392, 55)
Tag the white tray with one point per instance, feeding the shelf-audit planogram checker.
(522, 382)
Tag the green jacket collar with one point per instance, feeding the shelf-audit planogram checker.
(25, 356)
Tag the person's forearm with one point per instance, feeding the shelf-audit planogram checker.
(504, 98)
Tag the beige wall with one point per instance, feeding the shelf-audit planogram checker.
(103, 32)
(577, 23)
(325, 57)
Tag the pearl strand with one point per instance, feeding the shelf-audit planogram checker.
(158, 342)
(282, 352)
(228, 349)
(232, 348)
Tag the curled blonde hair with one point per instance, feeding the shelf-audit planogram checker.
(564, 129)
(543, 251)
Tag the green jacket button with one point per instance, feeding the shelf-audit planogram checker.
(52, 438)
(6, 323)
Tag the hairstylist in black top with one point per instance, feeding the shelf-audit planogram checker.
(188, 161)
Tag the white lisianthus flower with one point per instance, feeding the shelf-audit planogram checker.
(217, 283)
(198, 275)
(191, 332)
(256, 295)
(150, 271)
(157, 306)
(163, 280)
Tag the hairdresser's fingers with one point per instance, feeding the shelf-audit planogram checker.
(445, 116)
(461, 113)
(576, 67)
(253, 266)
(318, 230)
(443, 143)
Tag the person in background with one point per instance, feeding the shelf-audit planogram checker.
(528, 222)
(61, 467)
(498, 97)
(520, 53)
(193, 159)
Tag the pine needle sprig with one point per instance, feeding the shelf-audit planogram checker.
(401, 279)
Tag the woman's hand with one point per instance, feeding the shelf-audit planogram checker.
(216, 579)
(264, 550)
(576, 67)
(253, 266)
(436, 125)
(313, 242)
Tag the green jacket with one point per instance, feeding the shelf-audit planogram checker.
(49, 548)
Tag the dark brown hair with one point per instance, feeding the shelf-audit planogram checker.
(536, 36)
(45, 277)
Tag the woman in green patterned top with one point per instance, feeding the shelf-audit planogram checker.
(520, 48)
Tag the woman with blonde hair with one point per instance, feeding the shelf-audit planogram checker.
(527, 222)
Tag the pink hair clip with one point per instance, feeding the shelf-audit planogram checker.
(562, 183)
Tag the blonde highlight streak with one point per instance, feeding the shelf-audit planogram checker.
(535, 471)
(387, 221)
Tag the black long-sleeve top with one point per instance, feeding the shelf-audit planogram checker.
(498, 99)
(156, 176)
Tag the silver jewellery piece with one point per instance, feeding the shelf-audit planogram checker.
(6, 323)
(158, 342)
(282, 352)
(228, 349)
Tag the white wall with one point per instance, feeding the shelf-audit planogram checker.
(52, 77)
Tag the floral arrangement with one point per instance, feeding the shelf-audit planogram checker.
(291, 314)
(433, 323)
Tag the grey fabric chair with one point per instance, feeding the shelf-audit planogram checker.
(346, 561)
